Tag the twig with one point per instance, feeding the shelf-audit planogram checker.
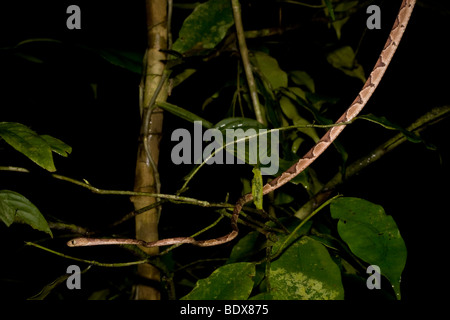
(87, 185)
(245, 60)
(320, 6)
(68, 226)
(92, 262)
(194, 235)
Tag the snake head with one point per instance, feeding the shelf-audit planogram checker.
(77, 242)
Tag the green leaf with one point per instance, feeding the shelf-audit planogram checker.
(257, 191)
(205, 27)
(302, 78)
(129, 60)
(28, 142)
(262, 296)
(338, 25)
(271, 70)
(330, 9)
(305, 271)
(345, 6)
(57, 145)
(371, 235)
(289, 109)
(342, 8)
(282, 198)
(247, 131)
(284, 241)
(184, 114)
(344, 60)
(16, 208)
(246, 248)
(229, 282)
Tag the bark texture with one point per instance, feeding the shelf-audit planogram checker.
(147, 223)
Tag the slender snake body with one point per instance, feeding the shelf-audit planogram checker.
(355, 108)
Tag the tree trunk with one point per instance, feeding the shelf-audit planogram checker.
(147, 223)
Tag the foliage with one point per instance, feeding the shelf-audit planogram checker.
(277, 255)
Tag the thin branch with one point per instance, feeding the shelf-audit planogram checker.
(134, 213)
(246, 61)
(320, 6)
(92, 262)
(70, 227)
(87, 185)
(194, 235)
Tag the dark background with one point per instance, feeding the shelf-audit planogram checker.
(56, 97)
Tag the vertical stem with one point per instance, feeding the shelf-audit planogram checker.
(145, 179)
(245, 60)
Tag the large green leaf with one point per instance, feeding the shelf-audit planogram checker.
(16, 208)
(36, 147)
(229, 282)
(28, 142)
(371, 235)
(305, 271)
(205, 27)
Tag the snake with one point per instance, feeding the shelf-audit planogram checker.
(377, 73)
